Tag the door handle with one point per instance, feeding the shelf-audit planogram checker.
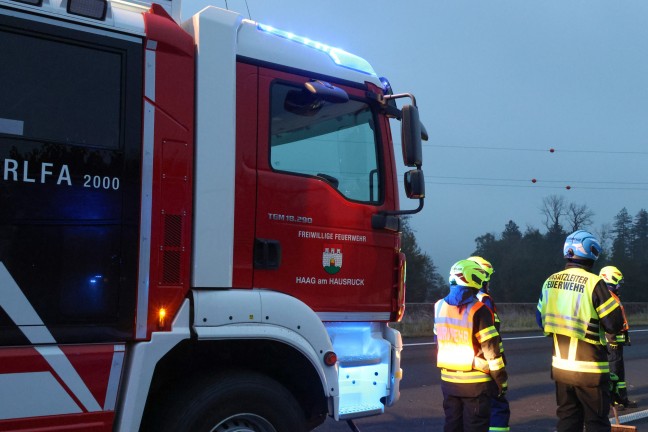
(267, 254)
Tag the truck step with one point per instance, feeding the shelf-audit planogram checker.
(358, 360)
(360, 410)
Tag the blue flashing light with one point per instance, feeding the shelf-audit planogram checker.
(96, 278)
(339, 56)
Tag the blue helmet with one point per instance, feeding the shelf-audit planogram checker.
(582, 245)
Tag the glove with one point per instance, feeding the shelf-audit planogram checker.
(502, 389)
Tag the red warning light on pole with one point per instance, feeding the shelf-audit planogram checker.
(567, 187)
(552, 150)
(533, 180)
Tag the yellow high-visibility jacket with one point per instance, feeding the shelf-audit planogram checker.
(576, 307)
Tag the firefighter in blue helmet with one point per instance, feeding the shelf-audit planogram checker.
(576, 309)
(468, 353)
(500, 410)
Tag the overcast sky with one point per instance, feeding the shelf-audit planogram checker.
(498, 84)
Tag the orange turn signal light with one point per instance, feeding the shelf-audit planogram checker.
(161, 317)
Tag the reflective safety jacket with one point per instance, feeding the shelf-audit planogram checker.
(488, 301)
(467, 348)
(576, 307)
(620, 338)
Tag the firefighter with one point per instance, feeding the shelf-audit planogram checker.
(577, 309)
(614, 279)
(500, 410)
(472, 368)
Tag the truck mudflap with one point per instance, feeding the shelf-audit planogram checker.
(369, 369)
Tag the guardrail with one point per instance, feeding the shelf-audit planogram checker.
(419, 317)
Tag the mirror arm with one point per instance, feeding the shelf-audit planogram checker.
(389, 109)
(382, 219)
(401, 95)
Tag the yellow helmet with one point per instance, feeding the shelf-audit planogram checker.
(485, 265)
(467, 273)
(611, 275)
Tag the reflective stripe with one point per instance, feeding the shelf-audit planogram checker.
(621, 385)
(581, 366)
(464, 377)
(607, 307)
(496, 364)
(498, 429)
(573, 346)
(573, 325)
(556, 346)
(486, 334)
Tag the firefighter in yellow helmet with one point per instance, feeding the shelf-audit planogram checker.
(614, 279)
(577, 309)
(500, 409)
(468, 352)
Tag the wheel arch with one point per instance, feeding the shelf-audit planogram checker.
(258, 331)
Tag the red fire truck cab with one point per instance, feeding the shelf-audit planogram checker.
(199, 222)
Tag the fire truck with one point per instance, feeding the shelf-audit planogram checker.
(199, 222)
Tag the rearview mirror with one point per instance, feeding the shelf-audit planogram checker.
(415, 184)
(411, 136)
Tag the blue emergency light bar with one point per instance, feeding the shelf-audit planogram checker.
(339, 56)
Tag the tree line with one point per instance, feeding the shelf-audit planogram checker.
(523, 260)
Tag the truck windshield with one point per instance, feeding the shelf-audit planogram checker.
(334, 141)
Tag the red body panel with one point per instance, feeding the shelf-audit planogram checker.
(88, 422)
(246, 179)
(92, 363)
(171, 214)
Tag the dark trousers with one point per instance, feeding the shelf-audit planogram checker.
(466, 414)
(578, 406)
(500, 414)
(615, 357)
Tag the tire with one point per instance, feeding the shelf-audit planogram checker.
(236, 402)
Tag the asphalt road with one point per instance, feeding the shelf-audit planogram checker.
(531, 390)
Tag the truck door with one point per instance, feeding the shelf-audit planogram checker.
(70, 111)
(321, 176)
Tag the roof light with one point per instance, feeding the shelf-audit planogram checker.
(339, 56)
(386, 86)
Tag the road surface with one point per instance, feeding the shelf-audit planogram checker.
(531, 390)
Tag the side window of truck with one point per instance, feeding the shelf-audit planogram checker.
(51, 100)
(332, 141)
